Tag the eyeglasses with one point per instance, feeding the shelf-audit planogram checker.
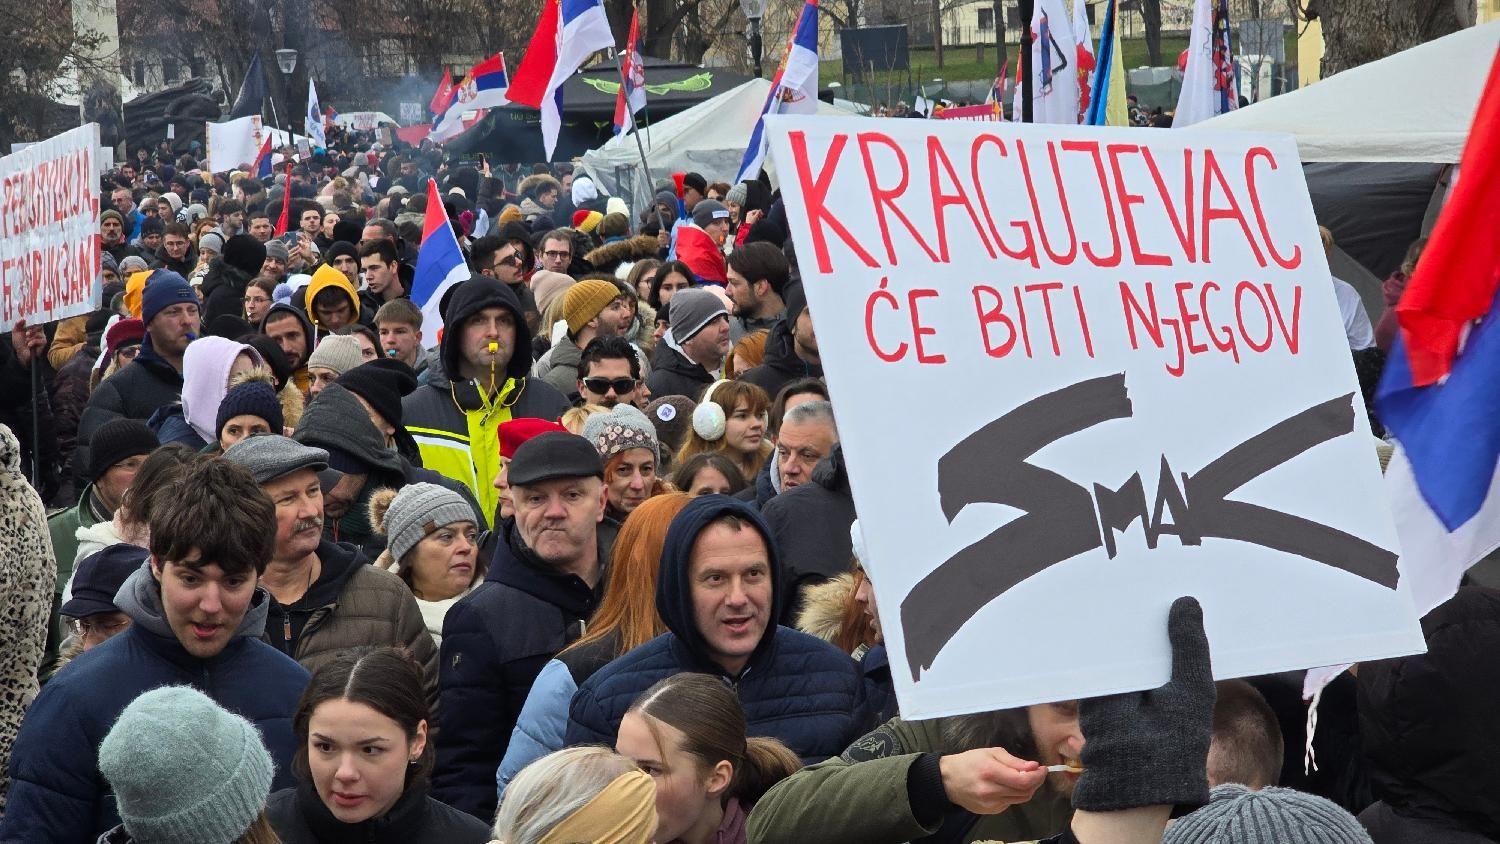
(85, 628)
(602, 385)
(557, 255)
(514, 260)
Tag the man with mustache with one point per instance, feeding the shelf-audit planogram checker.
(325, 595)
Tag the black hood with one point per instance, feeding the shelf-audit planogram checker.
(335, 419)
(223, 274)
(1428, 722)
(471, 297)
(831, 474)
(307, 326)
(781, 353)
(674, 595)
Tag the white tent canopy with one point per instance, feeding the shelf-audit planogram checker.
(708, 138)
(1414, 106)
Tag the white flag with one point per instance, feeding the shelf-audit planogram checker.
(1208, 87)
(312, 124)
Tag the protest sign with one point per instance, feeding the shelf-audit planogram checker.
(49, 229)
(1080, 372)
(233, 143)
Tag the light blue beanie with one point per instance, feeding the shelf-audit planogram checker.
(184, 770)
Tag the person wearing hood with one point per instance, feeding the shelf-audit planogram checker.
(811, 525)
(209, 365)
(367, 460)
(1430, 733)
(694, 347)
(228, 275)
(325, 596)
(169, 308)
(547, 571)
(720, 594)
(456, 415)
(539, 193)
(197, 614)
(791, 349)
(293, 333)
(331, 300)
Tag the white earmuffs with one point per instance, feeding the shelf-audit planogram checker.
(708, 417)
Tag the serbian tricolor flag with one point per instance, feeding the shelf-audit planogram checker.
(263, 158)
(440, 263)
(632, 96)
(567, 33)
(794, 88)
(442, 96)
(1440, 394)
(483, 88)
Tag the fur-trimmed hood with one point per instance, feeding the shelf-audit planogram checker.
(611, 255)
(823, 604)
(292, 403)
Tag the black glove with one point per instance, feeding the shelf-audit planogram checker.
(1151, 748)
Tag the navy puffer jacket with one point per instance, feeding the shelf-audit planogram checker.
(796, 687)
(56, 791)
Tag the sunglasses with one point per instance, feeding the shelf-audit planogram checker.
(602, 385)
(511, 260)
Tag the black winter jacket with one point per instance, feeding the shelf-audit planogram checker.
(781, 366)
(299, 817)
(672, 374)
(1430, 733)
(495, 641)
(811, 527)
(223, 290)
(795, 687)
(135, 392)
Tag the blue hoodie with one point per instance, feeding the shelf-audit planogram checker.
(795, 687)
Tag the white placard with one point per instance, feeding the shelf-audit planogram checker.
(49, 229)
(234, 143)
(1080, 372)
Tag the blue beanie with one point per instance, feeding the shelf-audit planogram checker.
(164, 289)
(252, 398)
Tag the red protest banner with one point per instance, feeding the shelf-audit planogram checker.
(49, 230)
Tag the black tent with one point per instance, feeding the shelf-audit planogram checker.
(514, 133)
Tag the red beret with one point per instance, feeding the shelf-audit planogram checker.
(517, 431)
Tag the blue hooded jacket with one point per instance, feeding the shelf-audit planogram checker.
(795, 687)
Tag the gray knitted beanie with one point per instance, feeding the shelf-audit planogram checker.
(1237, 815)
(184, 770)
(339, 353)
(415, 511)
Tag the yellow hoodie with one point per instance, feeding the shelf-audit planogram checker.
(325, 277)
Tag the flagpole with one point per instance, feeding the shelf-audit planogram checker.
(1027, 9)
(635, 130)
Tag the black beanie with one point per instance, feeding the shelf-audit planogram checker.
(245, 253)
(117, 440)
(382, 383)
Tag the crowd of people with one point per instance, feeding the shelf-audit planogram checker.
(283, 561)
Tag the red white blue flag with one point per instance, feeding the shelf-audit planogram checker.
(1438, 395)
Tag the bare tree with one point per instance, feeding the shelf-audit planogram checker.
(43, 59)
(1360, 31)
(1151, 21)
